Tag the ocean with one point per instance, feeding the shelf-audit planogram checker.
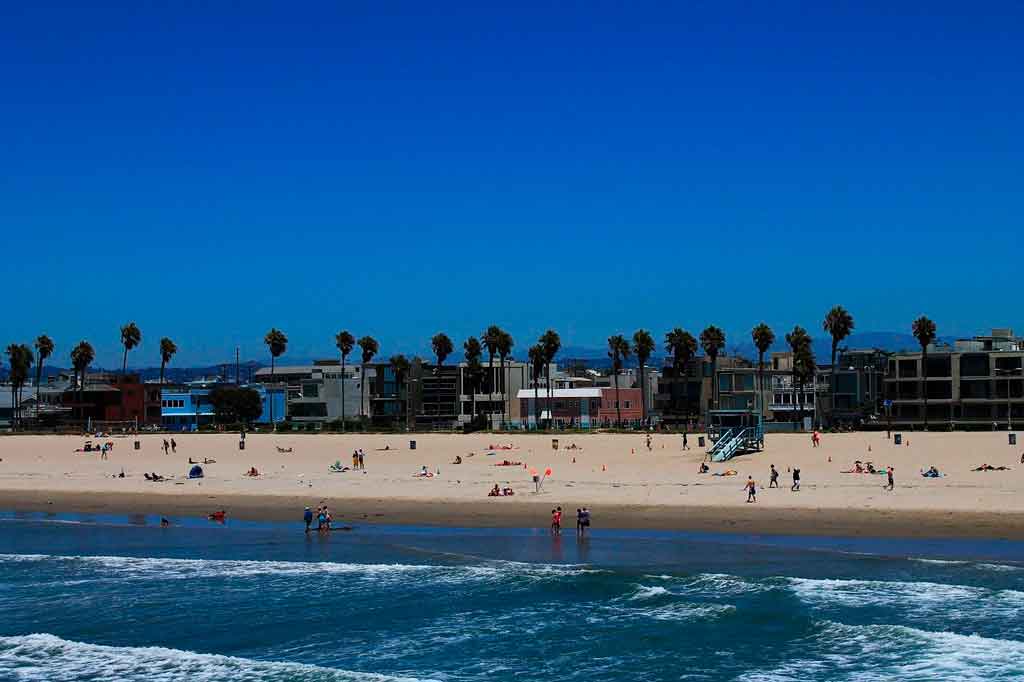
(119, 598)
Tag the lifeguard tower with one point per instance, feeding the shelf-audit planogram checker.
(734, 432)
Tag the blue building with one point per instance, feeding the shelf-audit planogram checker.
(187, 407)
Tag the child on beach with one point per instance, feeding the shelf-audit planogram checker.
(556, 521)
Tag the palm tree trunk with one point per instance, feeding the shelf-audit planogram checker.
(835, 376)
(501, 387)
(536, 404)
(924, 384)
(343, 393)
(270, 395)
(39, 377)
(124, 362)
(547, 377)
(162, 363)
(490, 384)
(618, 404)
(643, 393)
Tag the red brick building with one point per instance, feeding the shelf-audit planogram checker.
(114, 397)
(579, 407)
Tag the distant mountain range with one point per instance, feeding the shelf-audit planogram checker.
(594, 356)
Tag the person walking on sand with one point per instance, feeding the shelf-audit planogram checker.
(686, 445)
(889, 472)
(307, 516)
(796, 480)
(584, 521)
(773, 482)
(166, 446)
(751, 488)
(648, 442)
(174, 446)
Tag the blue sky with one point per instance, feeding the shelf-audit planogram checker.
(397, 169)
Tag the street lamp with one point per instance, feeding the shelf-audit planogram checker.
(1013, 371)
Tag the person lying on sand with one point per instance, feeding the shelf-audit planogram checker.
(337, 468)
(506, 463)
(457, 460)
(931, 473)
(727, 472)
(283, 451)
(500, 492)
(207, 460)
(424, 473)
(155, 477)
(989, 467)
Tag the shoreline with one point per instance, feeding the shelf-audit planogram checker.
(752, 520)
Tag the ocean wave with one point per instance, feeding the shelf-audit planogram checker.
(877, 653)
(648, 592)
(128, 568)
(46, 658)
(917, 595)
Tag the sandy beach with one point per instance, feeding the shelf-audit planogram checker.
(616, 476)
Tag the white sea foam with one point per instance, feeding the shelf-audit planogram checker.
(47, 658)
(883, 653)
(648, 592)
(920, 596)
(1000, 567)
(128, 568)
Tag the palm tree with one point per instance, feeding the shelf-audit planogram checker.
(167, 351)
(536, 356)
(683, 347)
(804, 369)
(400, 367)
(473, 351)
(21, 359)
(799, 344)
(643, 346)
(345, 342)
(505, 344)
(44, 349)
(490, 339)
(82, 356)
(924, 331)
(551, 343)
(763, 338)
(130, 338)
(838, 323)
(618, 350)
(277, 342)
(369, 346)
(712, 340)
(442, 347)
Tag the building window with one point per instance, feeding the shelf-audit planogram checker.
(628, 404)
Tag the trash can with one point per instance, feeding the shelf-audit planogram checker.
(1012, 437)
(241, 444)
(700, 441)
(897, 439)
(138, 445)
(554, 443)
(412, 445)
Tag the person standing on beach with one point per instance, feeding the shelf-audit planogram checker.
(648, 442)
(584, 521)
(890, 473)
(556, 521)
(686, 445)
(796, 480)
(774, 480)
(174, 446)
(166, 446)
(579, 521)
(362, 464)
(751, 488)
(307, 516)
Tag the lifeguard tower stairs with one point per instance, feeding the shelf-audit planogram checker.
(734, 432)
